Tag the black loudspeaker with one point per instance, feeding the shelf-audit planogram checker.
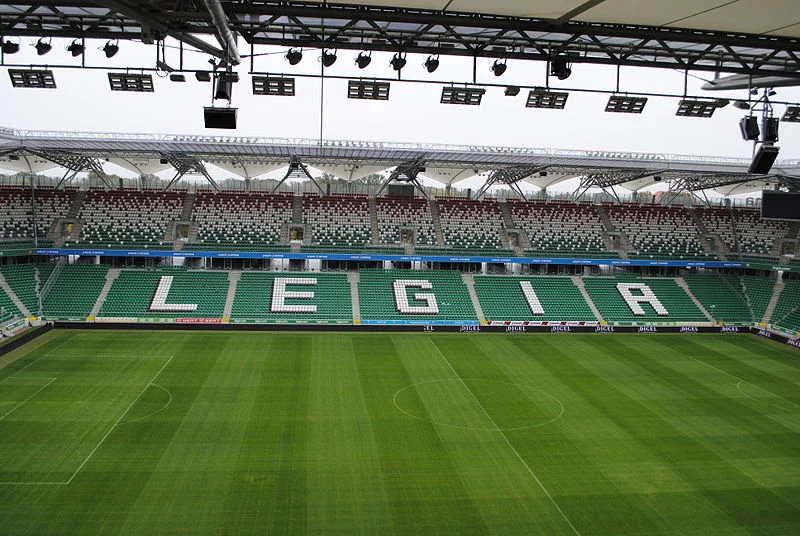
(763, 160)
(770, 128)
(220, 117)
(749, 128)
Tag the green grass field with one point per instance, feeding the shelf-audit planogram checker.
(110, 432)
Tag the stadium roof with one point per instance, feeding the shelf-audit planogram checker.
(740, 36)
(30, 151)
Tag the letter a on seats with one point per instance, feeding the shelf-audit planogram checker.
(531, 298)
(401, 297)
(159, 303)
(646, 296)
(280, 294)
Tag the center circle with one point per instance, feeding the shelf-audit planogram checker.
(478, 404)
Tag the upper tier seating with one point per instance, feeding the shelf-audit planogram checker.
(50, 206)
(16, 226)
(470, 224)
(338, 220)
(22, 280)
(657, 232)
(376, 290)
(787, 310)
(729, 299)
(394, 213)
(133, 292)
(254, 297)
(240, 221)
(606, 295)
(503, 298)
(75, 292)
(559, 228)
(128, 218)
(755, 236)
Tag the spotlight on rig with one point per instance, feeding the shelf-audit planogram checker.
(42, 47)
(499, 68)
(328, 58)
(10, 47)
(294, 56)
(398, 61)
(76, 48)
(110, 49)
(363, 60)
(560, 67)
(432, 63)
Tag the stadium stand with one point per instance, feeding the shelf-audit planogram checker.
(758, 293)
(755, 237)
(16, 228)
(254, 297)
(22, 280)
(75, 291)
(560, 228)
(381, 299)
(240, 221)
(51, 205)
(469, 224)
(338, 220)
(787, 310)
(128, 218)
(606, 294)
(143, 293)
(725, 298)
(503, 298)
(657, 232)
(394, 213)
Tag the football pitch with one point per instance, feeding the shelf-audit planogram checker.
(154, 432)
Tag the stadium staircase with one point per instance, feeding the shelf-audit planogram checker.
(777, 290)
(297, 209)
(77, 205)
(682, 283)
(623, 244)
(112, 274)
(787, 309)
(373, 221)
(469, 280)
(188, 207)
(13, 298)
(578, 281)
(352, 277)
(706, 239)
(437, 222)
(233, 281)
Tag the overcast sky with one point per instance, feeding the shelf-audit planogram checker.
(83, 101)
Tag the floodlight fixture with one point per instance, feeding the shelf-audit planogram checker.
(748, 126)
(202, 76)
(432, 63)
(625, 105)
(470, 96)
(293, 56)
(328, 58)
(700, 107)
(791, 115)
(137, 83)
(498, 67)
(741, 104)
(541, 98)
(42, 47)
(273, 85)
(76, 48)
(363, 60)
(398, 61)
(511, 91)
(111, 48)
(32, 78)
(10, 47)
(560, 66)
(177, 77)
(368, 90)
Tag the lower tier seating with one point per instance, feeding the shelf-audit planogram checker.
(723, 297)
(675, 304)
(75, 291)
(420, 295)
(159, 293)
(504, 298)
(22, 280)
(787, 310)
(259, 297)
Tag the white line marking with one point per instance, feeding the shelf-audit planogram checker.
(156, 412)
(12, 410)
(78, 470)
(511, 446)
